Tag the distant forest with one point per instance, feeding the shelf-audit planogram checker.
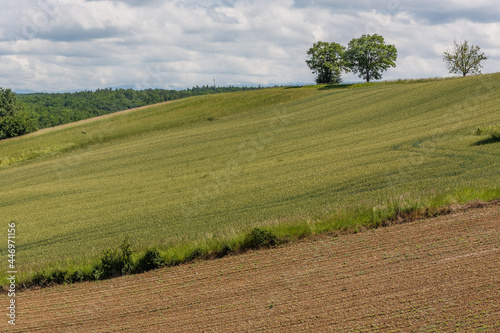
(52, 109)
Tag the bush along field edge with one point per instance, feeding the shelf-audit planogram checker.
(119, 261)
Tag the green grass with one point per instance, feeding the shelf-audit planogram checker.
(492, 134)
(199, 172)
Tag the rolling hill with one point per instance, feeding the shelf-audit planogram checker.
(195, 172)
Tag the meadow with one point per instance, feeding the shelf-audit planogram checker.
(208, 169)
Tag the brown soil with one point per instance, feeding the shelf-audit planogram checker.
(439, 274)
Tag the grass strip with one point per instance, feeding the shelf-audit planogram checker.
(122, 261)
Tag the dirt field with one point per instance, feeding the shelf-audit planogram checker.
(436, 275)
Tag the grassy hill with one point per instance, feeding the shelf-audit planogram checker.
(205, 169)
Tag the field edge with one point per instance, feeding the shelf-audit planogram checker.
(279, 233)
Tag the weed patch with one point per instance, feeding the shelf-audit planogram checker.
(260, 238)
(152, 259)
(492, 134)
(196, 254)
(114, 262)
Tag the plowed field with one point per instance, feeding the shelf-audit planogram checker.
(438, 274)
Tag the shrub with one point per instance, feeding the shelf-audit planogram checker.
(259, 238)
(59, 276)
(197, 253)
(77, 276)
(223, 251)
(493, 133)
(40, 279)
(151, 260)
(114, 262)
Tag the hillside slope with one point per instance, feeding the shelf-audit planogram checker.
(209, 168)
(436, 275)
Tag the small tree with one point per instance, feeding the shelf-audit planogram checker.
(327, 61)
(14, 119)
(464, 59)
(370, 56)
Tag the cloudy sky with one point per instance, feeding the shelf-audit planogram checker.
(61, 45)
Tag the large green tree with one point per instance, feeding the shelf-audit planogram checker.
(464, 59)
(14, 119)
(370, 56)
(327, 62)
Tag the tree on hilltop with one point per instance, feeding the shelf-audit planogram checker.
(370, 56)
(464, 59)
(327, 61)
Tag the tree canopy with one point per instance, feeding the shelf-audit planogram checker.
(464, 59)
(14, 118)
(327, 61)
(370, 56)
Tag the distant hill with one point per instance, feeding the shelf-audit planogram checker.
(52, 109)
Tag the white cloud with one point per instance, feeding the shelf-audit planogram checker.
(60, 45)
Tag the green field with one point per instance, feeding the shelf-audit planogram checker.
(213, 167)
